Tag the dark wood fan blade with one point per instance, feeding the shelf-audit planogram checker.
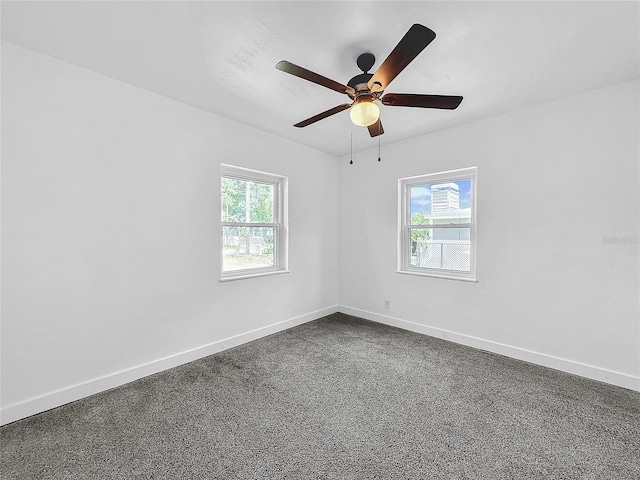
(376, 129)
(322, 115)
(414, 41)
(448, 102)
(292, 69)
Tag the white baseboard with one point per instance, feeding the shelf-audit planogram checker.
(570, 366)
(50, 400)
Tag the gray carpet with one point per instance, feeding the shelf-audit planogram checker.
(338, 398)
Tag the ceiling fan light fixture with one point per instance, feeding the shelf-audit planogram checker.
(364, 113)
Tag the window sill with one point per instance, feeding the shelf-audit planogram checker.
(463, 278)
(242, 276)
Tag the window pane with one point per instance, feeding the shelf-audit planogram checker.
(248, 247)
(434, 203)
(246, 201)
(441, 248)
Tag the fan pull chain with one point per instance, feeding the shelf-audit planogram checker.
(351, 134)
(379, 127)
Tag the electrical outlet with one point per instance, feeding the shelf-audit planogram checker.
(387, 304)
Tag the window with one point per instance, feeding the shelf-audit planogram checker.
(254, 223)
(437, 224)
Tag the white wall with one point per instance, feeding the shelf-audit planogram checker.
(110, 233)
(555, 184)
(110, 241)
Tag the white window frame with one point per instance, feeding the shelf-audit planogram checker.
(280, 222)
(404, 223)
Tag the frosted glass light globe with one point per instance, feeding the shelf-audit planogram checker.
(364, 113)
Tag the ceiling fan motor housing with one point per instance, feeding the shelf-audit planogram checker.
(365, 62)
(359, 79)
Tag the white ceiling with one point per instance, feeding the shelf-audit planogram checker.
(220, 56)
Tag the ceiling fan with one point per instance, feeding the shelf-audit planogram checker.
(366, 89)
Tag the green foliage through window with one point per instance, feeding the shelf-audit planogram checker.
(246, 201)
